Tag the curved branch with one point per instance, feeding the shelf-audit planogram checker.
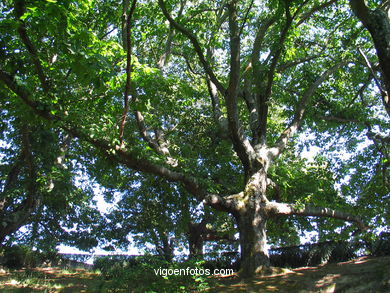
(246, 16)
(284, 66)
(19, 11)
(226, 204)
(377, 136)
(196, 45)
(284, 209)
(308, 14)
(252, 103)
(121, 155)
(219, 118)
(12, 221)
(276, 54)
(163, 60)
(368, 64)
(298, 117)
(158, 143)
(265, 86)
(378, 24)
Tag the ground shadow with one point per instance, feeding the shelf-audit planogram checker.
(366, 274)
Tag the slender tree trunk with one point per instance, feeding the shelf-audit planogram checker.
(167, 249)
(195, 240)
(196, 248)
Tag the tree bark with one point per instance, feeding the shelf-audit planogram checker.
(251, 219)
(253, 242)
(13, 217)
(377, 23)
(195, 239)
(166, 250)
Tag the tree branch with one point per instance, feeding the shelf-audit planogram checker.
(38, 108)
(19, 12)
(377, 136)
(158, 144)
(340, 119)
(226, 204)
(241, 145)
(119, 154)
(287, 65)
(377, 23)
(12, 220)
(298, 117)
(258, 77)
(278, 51)
(249, 98)
(12, 176)
(382, 91)
(264, 92)
(162, 62)
(259, 41)
(315, 9)
(127, 41)
(219, 118)
(168, 44)
(246, 17)
(283, 209)
(196, 45)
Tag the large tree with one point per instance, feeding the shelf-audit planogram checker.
(195, 92)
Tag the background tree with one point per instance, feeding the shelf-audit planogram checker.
(151, 213)
(38, 185)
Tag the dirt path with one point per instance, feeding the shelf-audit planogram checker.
(363, 275)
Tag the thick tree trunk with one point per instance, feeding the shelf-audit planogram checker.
(253, 242)
(252, 219)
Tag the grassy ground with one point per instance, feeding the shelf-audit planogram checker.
(50, 280)
(361, 275)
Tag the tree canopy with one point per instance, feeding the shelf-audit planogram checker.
(189, 105)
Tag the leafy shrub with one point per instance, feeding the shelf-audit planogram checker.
(152, 274)
(226, 260)
(108, 265)
(343, 251)
(381, 246)
(17, 257)
(313, 254)
(12, 257)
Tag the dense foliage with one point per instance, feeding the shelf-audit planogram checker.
(180, 109)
